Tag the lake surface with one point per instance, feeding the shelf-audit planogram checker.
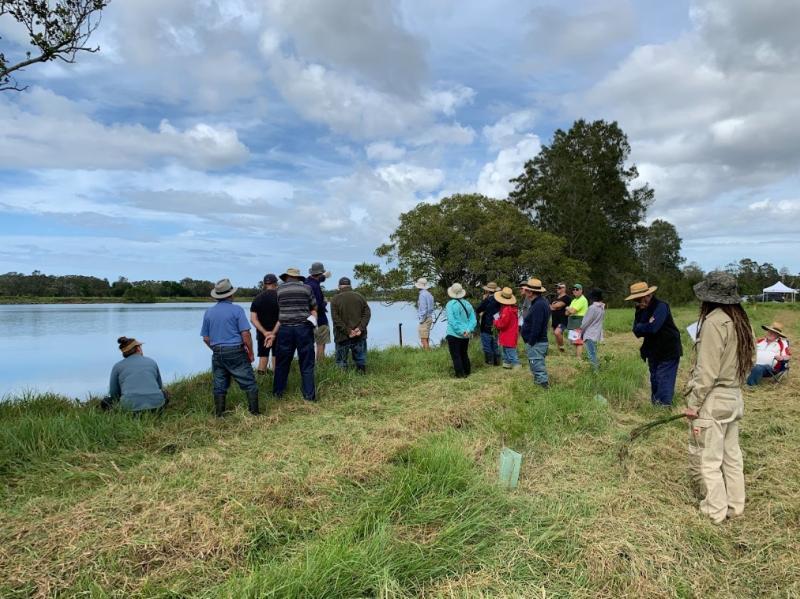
(70, 348)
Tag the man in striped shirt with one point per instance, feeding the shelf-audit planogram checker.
(297, 317)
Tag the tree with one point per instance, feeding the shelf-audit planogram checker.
(660, 250)
(579, 187)
(58, 30)
(469, 239)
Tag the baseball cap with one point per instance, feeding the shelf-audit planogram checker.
(270, 279)
(344, 281)
(578, 286)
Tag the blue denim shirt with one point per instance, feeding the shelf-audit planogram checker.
(224, 323)
(425, 305)
(460, 317)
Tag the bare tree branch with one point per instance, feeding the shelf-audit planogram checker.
(59, 30)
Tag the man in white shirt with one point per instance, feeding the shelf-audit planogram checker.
(772, 354)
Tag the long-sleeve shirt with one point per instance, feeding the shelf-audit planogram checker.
(136, 380)
(508, 326)
(662, 339)
(715, 361)
(592, 325)
(460, 317)
(425, 305)
(534, 325)
(487, 309)
(349, 311)
(319, 299)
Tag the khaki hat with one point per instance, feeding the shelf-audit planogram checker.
(223, 289)
(456, 291)
(505, 296)
(640, 289)
(422, 283)
(776, 327)
(718, 287)
(127, 344)
(533, 285)
(491, 286)
(292, 272)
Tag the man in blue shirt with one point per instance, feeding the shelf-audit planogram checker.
(425, 307)
(534, 330)
(227, 332)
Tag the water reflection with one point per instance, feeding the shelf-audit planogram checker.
(69, 348)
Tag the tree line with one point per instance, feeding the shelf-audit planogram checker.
(38, 284)
(574, 215)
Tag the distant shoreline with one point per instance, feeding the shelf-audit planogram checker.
(105, 300)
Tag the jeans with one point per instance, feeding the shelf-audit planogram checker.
(459, 352)
(489, 345)
(357, 346)
(536, 354)
(662, 381)
(510, 356)
(759, 371)
(227, 362)
(591, 353)
(298, 337)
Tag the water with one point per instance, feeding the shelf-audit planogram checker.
(70, 348)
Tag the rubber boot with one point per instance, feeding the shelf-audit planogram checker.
(488, 358)
(252, 402)
(361, 369)
(497, 360)
(219, 405)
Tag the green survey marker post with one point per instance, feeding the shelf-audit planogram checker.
(510, 462)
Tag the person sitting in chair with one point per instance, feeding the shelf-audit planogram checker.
(772, 354)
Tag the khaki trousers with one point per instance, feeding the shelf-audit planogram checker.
(715, 459)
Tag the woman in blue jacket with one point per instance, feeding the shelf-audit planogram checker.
(461, 322)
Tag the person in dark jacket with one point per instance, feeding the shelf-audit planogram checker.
(534, 330)
(661, 348)
(351, 314)
(486, 312)
(322, 332)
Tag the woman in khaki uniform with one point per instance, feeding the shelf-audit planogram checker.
(723, 357)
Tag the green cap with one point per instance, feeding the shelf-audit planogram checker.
(578, 286)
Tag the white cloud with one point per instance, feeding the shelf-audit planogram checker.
(494, 178)
(507, 130)
(384, 150)
(44, 130)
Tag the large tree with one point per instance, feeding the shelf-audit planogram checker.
(660, 250)
(469, 239)
(57, 29)
(580, 187)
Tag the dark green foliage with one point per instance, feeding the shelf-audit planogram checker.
(579, 186)
(469, 239)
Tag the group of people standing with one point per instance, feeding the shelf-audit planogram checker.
(501, 323)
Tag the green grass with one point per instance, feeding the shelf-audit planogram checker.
(387, 488)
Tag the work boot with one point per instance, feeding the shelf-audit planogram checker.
(489, 358)
(219, 405)
(360, 369)
(252, 402)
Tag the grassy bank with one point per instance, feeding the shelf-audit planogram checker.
(103, 300)
(387, 488)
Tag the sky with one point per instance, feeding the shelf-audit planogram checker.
(230, 138)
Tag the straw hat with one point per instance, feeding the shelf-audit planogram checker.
(640, 289)
(505, 296)
(422, 283)
(456, 291)
(127, 344)
(776, 327)
(533, 285)
(292, 272)
(491, 286)
(223, 289)
(719, 288)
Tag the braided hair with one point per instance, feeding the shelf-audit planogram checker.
(745, 341)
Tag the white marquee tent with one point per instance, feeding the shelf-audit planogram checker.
(779, 287)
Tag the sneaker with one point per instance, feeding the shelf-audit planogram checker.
(516, 366)
(506, 365)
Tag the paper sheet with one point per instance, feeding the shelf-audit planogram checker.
(692, 330)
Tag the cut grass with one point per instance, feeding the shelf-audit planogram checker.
(387, 488)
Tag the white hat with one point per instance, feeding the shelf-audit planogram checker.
(223, 289)
(456, 291)
(422, 283)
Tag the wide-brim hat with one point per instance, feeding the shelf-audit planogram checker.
(317, 268)
(491, 286)
(640, 289)
(505, 296)
(533, 285)
(456, 291)
(292, 272)
(422, 283)
(776, 327)
(223, 289)
(718, 288)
